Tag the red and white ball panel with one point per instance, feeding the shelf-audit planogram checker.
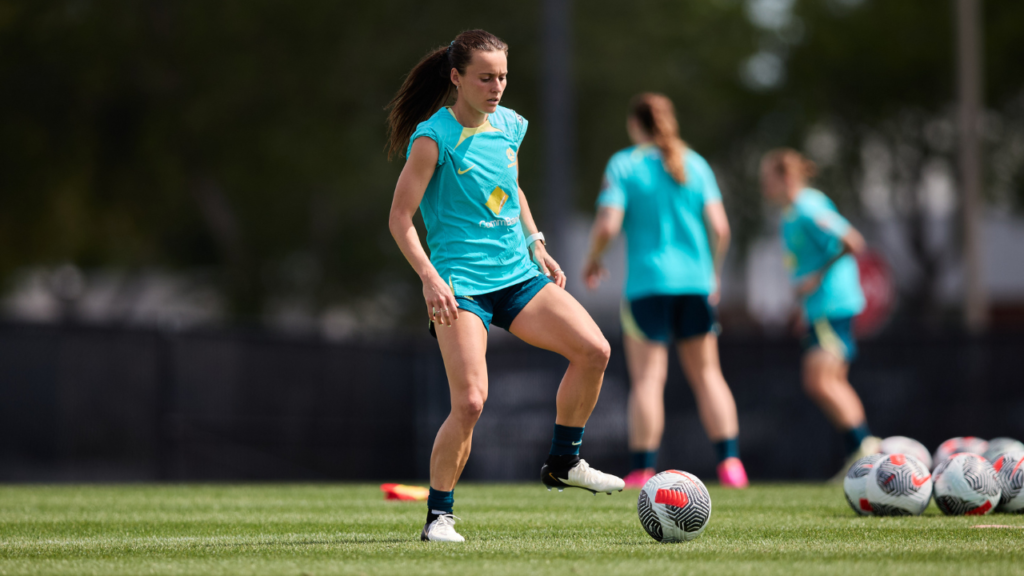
(674, 506)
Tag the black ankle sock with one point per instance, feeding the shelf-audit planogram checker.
(431, 517)
(562, 462)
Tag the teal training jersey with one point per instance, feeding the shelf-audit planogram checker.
(812, 230)
(667, 251)
(471, 205)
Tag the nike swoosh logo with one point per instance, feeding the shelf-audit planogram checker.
(557, 479)
(461, 172)
(577, 443)
(918, 482)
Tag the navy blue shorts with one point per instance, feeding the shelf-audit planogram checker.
(833, 335)
(501, 306)
(668, 318)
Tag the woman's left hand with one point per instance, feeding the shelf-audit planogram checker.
(547, 264)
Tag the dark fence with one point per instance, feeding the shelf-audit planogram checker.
(92, 404)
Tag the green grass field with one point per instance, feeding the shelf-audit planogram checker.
(510, 529)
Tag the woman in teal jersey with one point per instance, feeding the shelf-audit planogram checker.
(461, 173)
(819, 245)
(663, 195)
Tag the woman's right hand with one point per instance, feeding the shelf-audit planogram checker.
(441, 305)
(593, 273)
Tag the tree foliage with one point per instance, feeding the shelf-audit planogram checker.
(246, 137)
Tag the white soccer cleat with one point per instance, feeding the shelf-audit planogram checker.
(868, 446)
(442, 530)
(583, 476)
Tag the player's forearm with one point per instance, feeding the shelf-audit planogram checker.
(404, 233)
(853, 243)
(606, 227)
(600, 237)
(525, 216)
(719, 249)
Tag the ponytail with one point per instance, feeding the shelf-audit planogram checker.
(657, 116)
(789, 162)
(429, 85)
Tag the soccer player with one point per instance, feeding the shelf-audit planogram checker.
(488, 263)
(664, 197)
(819, 245)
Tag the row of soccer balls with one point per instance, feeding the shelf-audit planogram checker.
(989, 449)
(963, 483)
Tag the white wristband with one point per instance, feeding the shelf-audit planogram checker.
(534, 237)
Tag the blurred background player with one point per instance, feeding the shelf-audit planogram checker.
(819, 244)
(663, 196)
(462, 174)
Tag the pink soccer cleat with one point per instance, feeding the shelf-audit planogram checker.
(637, 478)
(732, 474)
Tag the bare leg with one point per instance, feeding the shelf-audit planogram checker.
(825, 383)
(463, 347)
(555, 321)
(715, 404)
(648, 369)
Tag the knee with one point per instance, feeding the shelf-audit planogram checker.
(468, 409)
(597, 353)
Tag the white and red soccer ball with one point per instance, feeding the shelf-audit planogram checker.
(1010, 473)
(999, 446)
(674, 506)
(855, 484)
(908, 446)
(966, 485)
(960, 444)
(898, 485)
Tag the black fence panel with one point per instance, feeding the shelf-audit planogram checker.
(93, 404)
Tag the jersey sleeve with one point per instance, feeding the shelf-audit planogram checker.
(425, 130)
(613, 190)
(708, 183)
(825, 226)
(520, 124)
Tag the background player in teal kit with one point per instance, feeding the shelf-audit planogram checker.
(664, 197)
(819, 243)
(462, 175)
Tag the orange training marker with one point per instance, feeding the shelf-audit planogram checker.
(404, 492)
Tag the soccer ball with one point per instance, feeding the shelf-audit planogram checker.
(999, 446)
(898, 485)
(1010, 472)
(855, 484)
(965, 444)
(908, 446)
(966, 485)
(674, 506)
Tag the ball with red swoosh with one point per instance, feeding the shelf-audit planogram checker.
(899, 485)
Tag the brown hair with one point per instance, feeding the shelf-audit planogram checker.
(429, 85)
(789, 162)
(657, 116)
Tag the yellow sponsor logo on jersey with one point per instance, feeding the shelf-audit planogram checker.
(511, 157)
(461, 171)
(497, 200)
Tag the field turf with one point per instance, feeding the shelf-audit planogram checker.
(788, 529)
